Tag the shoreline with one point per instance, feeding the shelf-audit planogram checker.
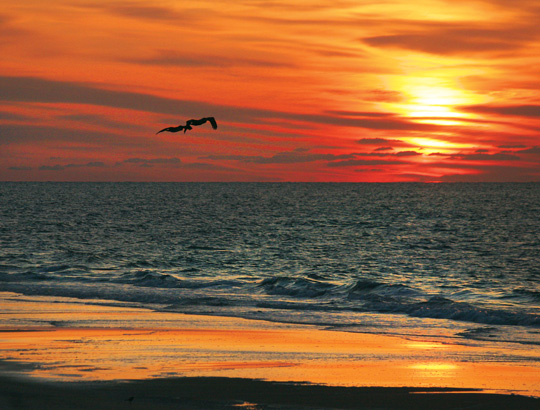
(57, 343)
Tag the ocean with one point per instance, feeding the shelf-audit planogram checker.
(442, 261)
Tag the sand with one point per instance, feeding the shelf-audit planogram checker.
(233, 393)
(61, 354)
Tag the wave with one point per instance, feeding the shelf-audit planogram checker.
(367, 288)
(439, 307)
(150, 279)
(300, 294)
(296, 287)
(529, 294)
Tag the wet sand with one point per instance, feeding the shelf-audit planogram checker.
(62, 354)
(232, 393)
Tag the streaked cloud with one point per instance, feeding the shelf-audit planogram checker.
(386, 143)
(290, 157)
(30, 89)
(489, 157)
(24, 168)
(449, 39)
(179, 58)
(533, 150)
(59, 167)
(514, 110)
(144, 162)
(362, 162)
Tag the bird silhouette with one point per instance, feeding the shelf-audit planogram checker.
(189, 124)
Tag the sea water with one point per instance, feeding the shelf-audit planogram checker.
(458, 261)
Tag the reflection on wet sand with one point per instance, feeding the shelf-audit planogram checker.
(95, 346)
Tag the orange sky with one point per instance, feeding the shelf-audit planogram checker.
(340, 90)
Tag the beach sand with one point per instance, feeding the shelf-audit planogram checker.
(57, 353)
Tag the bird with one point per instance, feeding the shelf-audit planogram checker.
(189, 124)
(174, 129)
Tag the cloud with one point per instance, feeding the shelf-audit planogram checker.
(58, 167)
(143, 162)
(382, 141)
(406, 154)
(20, 168)
(438, 43)
(30, 89)
(205, 166)
(7, 30)
(379, 153)
(52, 168)
(360, 113)
(14, 134)
(181, 59)
(9, 116)
(172, 162)
(457, 39)
(141, 11)
(361, 162)
(488, 157)
(532, 150)
(494, 174)
(529, 110)
(512, 146)
(377, 141)
(289, 157)
(99, 120)
(95, 164)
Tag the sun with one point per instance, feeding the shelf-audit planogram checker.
(434, 104)
(432, 100)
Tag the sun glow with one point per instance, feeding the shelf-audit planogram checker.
(433, 104)
(433, 143)
(431, 100)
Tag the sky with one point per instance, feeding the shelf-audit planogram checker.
(304, 90)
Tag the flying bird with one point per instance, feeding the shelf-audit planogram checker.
(189, 124)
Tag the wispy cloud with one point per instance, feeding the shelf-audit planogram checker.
(514, 110)
(183, 59)
(533, 150)
(362, 162)
(99, 120)
(23, 168)
(488, 157)
(458, 39)
(142, 11)
(29, 89)
(383, 142)
(144, 162)
(290, 157)
(59, 167)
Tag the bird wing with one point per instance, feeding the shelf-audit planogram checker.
(164, 129)
(213, 122)
(173, 129)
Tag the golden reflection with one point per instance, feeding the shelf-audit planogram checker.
(426, 345)
(434, 369)
(434, 366)
(163, 344)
